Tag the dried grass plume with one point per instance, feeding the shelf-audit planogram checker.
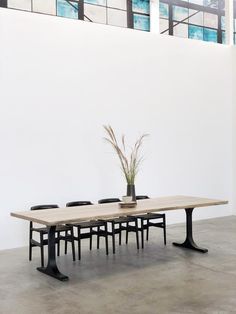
(130, 161)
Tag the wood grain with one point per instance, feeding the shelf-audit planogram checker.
(56, 216)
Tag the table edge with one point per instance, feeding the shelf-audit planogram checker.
(127, 211)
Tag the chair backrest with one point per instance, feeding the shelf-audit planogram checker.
(141, 197)
(78, 203)
(38, 207)
(109, 200)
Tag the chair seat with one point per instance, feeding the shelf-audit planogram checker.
(63, 228)
(122, 219)
(45, 230)
(156, 224)
(89, 224)
(151, 216)
(37, 243)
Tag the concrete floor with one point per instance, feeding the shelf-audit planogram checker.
(155, 280)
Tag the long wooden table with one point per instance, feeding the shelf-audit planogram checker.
(56, 216)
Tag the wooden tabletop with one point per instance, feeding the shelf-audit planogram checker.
(56, 216)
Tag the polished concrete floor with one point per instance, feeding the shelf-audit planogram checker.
(155, 280)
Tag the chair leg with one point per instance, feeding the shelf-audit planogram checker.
(30, 245)
(164, 230)
(91, 239)
(58, 243)
(142, 234)
(42, 249)
(120, 234)
(30, 252)
(72, 243)
(98, 238)
(147, 234)
(127, 233)
(79, 244)
(106, 238)
(113, 238)
(137, 236)
(66, 242)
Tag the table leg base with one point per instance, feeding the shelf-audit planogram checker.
(53, 272)
(190, 245)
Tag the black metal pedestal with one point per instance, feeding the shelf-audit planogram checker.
(51, 269)
(189, 242)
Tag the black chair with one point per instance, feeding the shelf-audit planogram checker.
(43, 231)
(146, 221)
(119, 222)
(95, 227)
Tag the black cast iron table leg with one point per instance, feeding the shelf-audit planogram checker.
(189, 242)
(51, 269)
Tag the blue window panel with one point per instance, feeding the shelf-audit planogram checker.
(164, 10)
(141, 22)
(180, 13)
(211, 3)
(67, 9)
(199, 2)
(210, 35)
(223, 22)
(195, 32)
(141, 6)
(223, 38)
(97, 2)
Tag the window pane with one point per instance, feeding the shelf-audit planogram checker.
(118, 4)
(20, 4)
(179, 13)
(210, 35)
(211, 3)
(223, 22)
(117, 17)
(223, 38)
(195, 32)
(199, 2)
(164, 26)
(141, 22)
(67, 9)
(141, 6)
(97, 2)
(95, 13)
(181, 30)
(47, 7)
(210, 20)
(164, 10)
(195, 17)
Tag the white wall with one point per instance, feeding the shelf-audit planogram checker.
(61, 80)
(233, 50)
